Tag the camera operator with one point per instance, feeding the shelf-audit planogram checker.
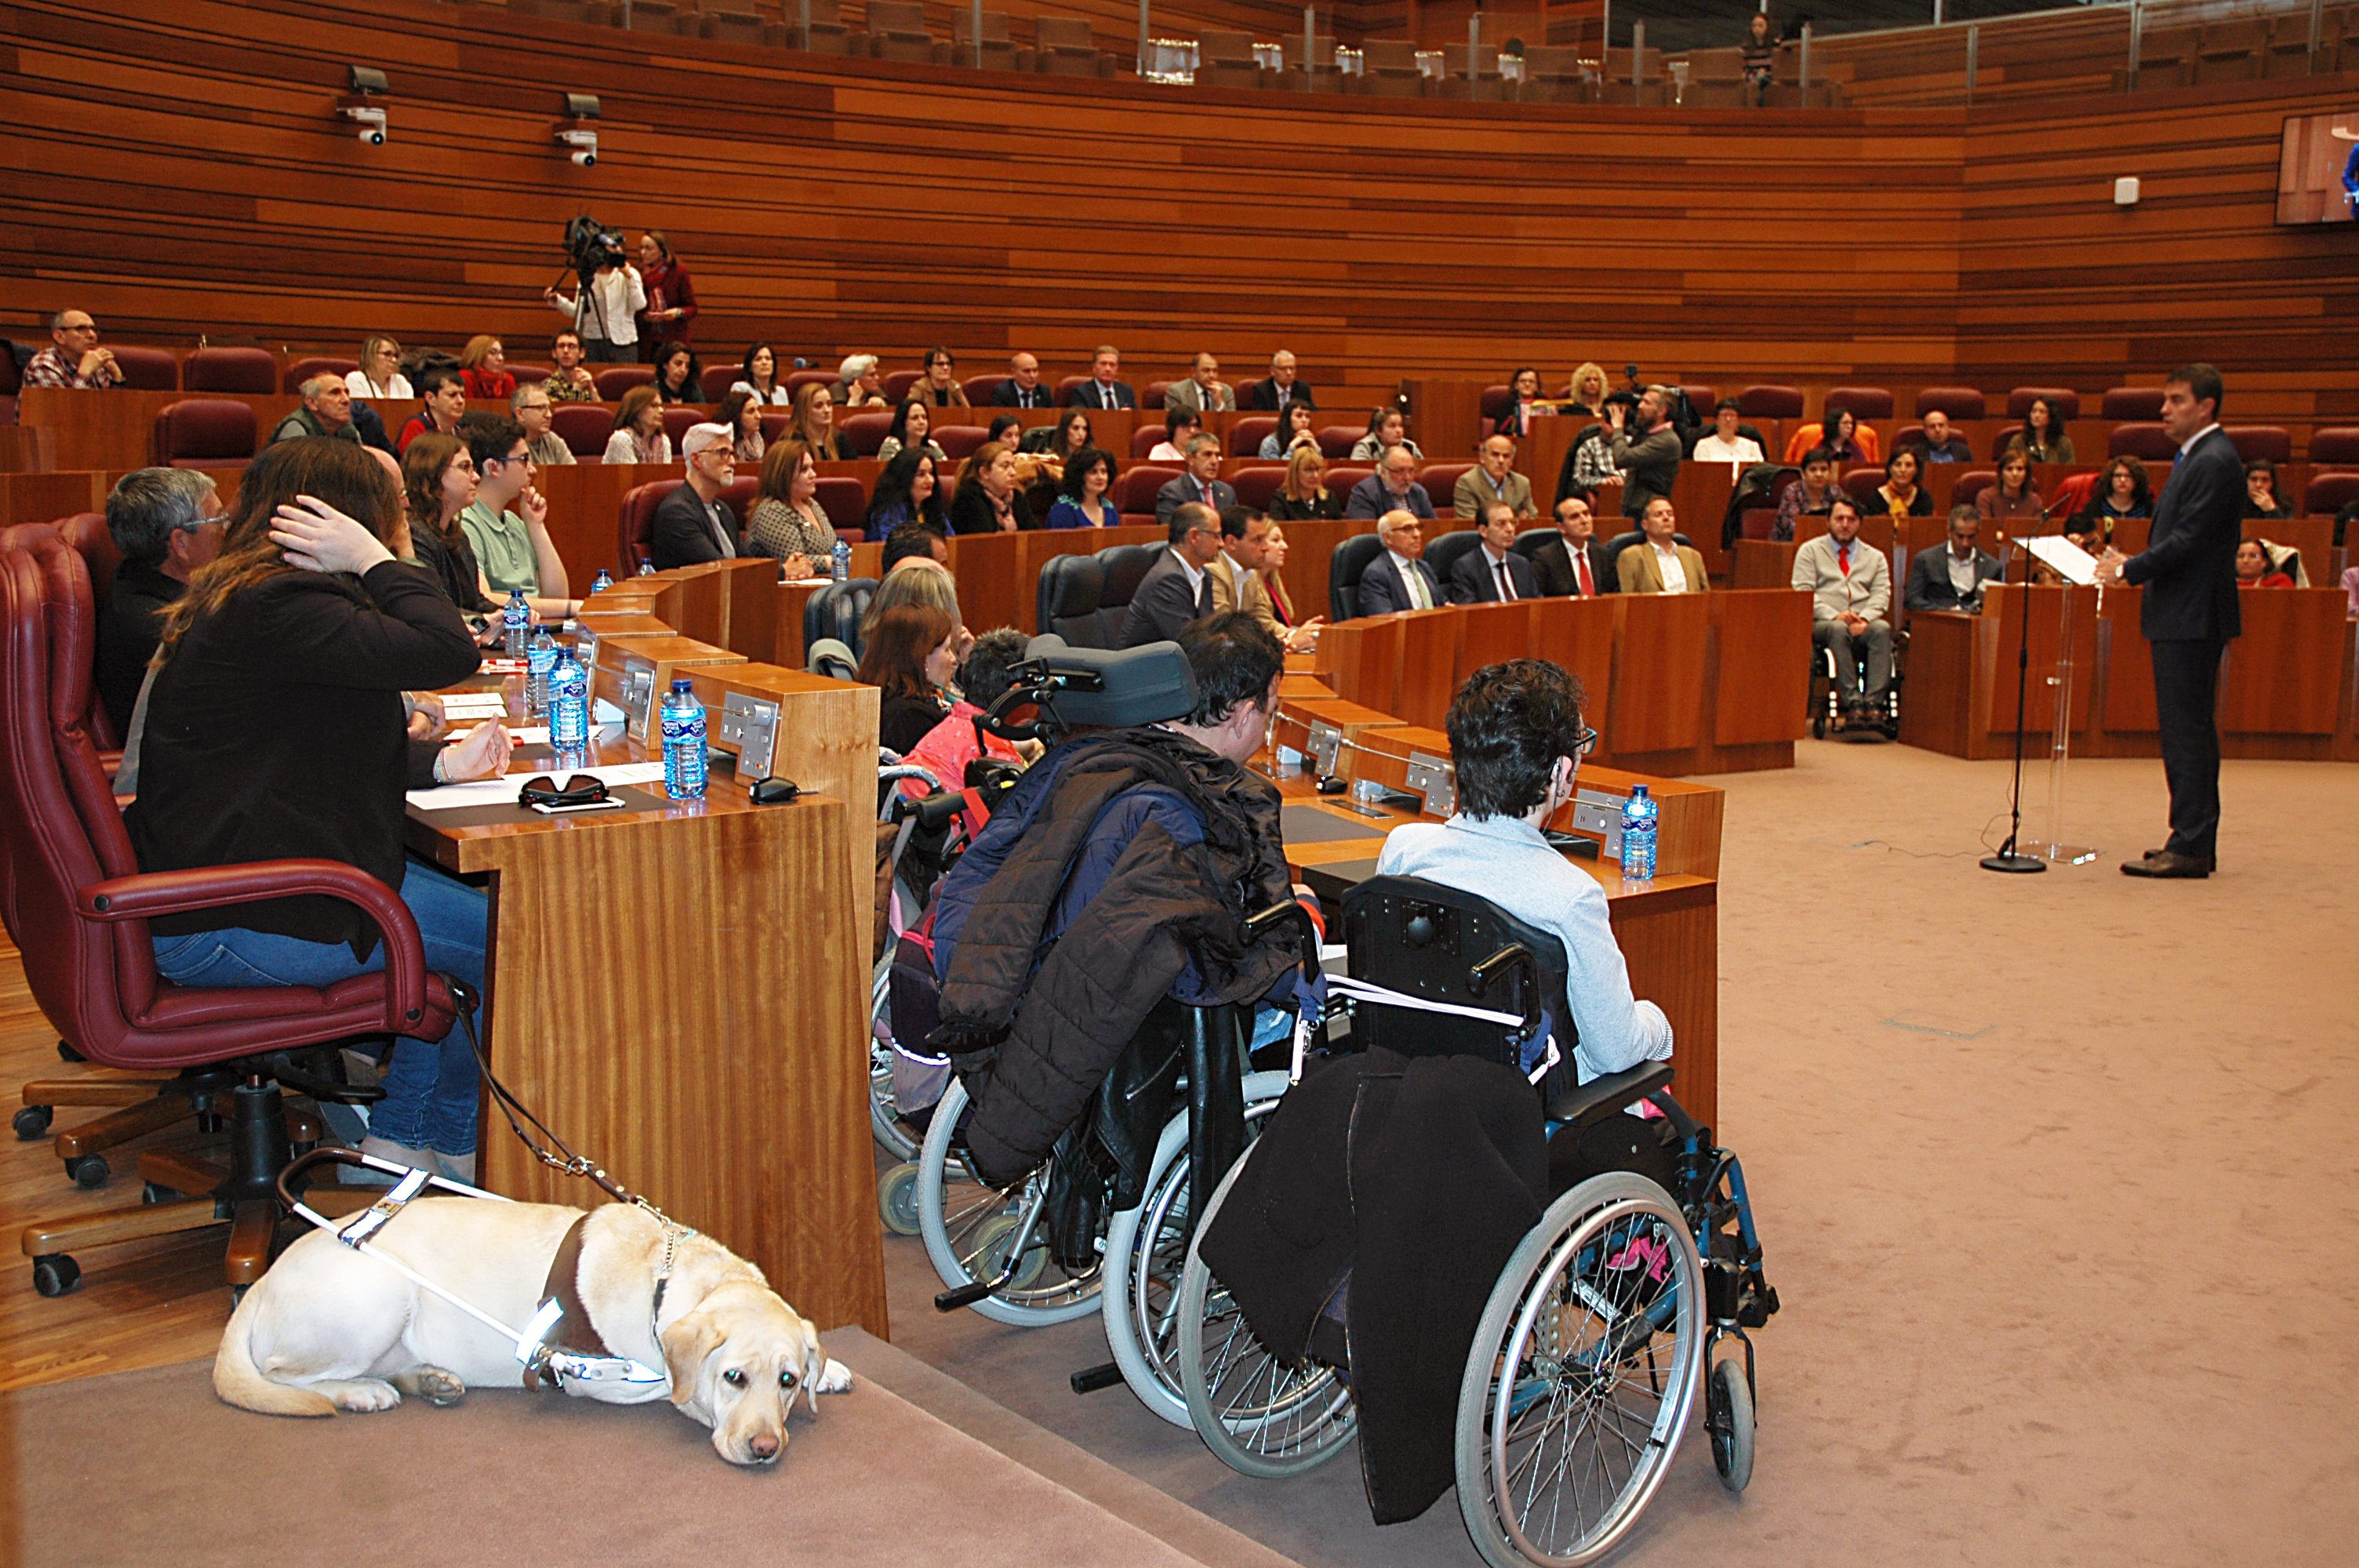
(605, 312)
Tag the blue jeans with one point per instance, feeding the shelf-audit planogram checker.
(431, 1087)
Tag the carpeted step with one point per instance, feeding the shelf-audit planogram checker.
(1125, 1496)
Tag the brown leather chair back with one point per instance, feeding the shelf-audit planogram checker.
(230, 370)
(635, 525)
(204, 433)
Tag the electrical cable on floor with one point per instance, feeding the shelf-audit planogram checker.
(1987, 847)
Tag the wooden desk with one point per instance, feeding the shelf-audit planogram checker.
(680, 989)
(1677, 684)
(2286, 688)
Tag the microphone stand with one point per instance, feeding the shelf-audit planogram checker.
(2008, 858)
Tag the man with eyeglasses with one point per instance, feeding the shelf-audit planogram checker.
(1516, 744)
(535, 410)
(1178, 589)
(508, 524)
(167, 523)
(1392, 488)
(73, 357)
(1399, 578)
(693, 524)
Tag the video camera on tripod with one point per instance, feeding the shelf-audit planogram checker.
(589, 246)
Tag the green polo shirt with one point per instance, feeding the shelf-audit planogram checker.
(503, 547)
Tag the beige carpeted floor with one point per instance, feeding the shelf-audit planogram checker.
(2056, 1175)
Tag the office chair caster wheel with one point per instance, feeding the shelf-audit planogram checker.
(32, 1122)
(89, 1172)
(1818, 726)
(1729, 1416)
(67, 1054)
(55, 1275)
(897, 1199)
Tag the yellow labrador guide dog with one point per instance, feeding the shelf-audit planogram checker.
(331, 1327)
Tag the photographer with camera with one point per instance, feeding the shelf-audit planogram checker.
(605, 309)
(1646, 446)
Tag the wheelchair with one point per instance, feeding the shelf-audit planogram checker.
(1061, 1243)
(1827, 702)
(1629, 1298)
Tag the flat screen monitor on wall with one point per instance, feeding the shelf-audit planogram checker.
(2318, 170)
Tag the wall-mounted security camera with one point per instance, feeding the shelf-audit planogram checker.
(584, 142)
(370, 118)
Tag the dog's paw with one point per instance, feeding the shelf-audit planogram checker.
(836, 1379)
(362, 1396)
(432, 1384)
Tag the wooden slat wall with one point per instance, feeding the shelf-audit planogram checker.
(175, 169)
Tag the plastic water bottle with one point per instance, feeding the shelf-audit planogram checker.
(569, 704)
(646, 568)
(841, 571)
(683, 743)
(515, 620)
(1639, 814)
(603, 581)
(540, 657)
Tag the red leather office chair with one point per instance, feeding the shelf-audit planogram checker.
(616, 380)
(1336, 441)
(2132, 403)
(2337, 444)
(866, 432)
(204, 433)
(897, 384)
(1254, 486)
(583, 428)
(302, 370)
(1440, 482)
(1866, 403)
(230, 370)
(958, 442)
(714, 380)
(77, 906)
(1146, 439)
(635, 525)
(842, 499)
(679, 419)
(1248, 434)
(2146, 441)
(1957, 402)
(2274, 442)
(2062, 400)
(146, 369)
(1151, 395)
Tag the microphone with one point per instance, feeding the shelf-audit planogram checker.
(801, 363)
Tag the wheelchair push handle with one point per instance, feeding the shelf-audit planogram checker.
(1289, 912)
(933, 812)
(1515, 957)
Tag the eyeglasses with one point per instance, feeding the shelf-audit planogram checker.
(582, 789)
(1584, 743)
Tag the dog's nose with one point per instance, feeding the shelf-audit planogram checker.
(764, 1445)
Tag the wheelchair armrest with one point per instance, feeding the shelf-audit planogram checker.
(1290, 912)
(1601, 1097)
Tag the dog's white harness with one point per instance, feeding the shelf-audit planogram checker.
(540, 1349)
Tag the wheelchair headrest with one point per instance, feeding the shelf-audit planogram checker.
(1099, 687)
(832, 659)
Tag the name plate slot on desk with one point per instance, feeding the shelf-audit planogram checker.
(1598, 812)
(750, 724)
(1432, 777)
(1325, 745)
(635, 693)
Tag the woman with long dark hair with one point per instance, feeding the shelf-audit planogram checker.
(276, 729)
(679, 378)
(913, 425)
(742, 412)
(438, 482)
(2043, 433)
(786, 521)
(908, 490)
(911, 656)
(1083, 498)
(758, 374)
(1297, 426)
(2122, 490)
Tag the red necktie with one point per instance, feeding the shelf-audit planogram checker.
(1581, 564)
(1506, 588)
(1208, 498)
(1842, 554)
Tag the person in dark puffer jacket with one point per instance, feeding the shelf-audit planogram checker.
(1121, 870)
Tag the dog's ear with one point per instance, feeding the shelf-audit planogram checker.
(686, 1343)
(814, 1369)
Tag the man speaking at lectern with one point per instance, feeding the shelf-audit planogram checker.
(2188, 572)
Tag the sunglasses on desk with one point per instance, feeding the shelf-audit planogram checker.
(582, 789)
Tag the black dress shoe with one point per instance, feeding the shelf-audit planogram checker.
(2163, 863)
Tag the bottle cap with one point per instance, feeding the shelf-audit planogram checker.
(679, 683)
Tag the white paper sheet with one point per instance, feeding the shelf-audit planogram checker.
(530, 735)
(2069, 561)
(474, 705)
(503, 791)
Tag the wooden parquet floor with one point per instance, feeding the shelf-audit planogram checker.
(145, 1304)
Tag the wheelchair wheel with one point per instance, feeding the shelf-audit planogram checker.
(955, 1217)
(883, 1117)
(1259, 1416)
(897, 1199)
(1582, 1377)
(1728, 1413)
(1146, 1248)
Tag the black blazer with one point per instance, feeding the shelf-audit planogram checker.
(683, 536)
(970, 511)
(1089, 395)
(1553, 569)
(1471, 581)
(1162, 607)
(1007, 395)
(1382, 590)
(1285, 509)
(1264, 395)
(1929, 586)
(2189, 566)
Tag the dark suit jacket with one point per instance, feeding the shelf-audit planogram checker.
(1382, 590)
(1471, 580)
(1929, 586)
(1264, 395)
(1553, 569)
(1162, 607)
(1369, 497)
(682, 535)
(1650, 466)
(1178, 493)
(130, 624)
(1959, 451)
(2189, 565)
(1008, 395)
(1089, 395)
